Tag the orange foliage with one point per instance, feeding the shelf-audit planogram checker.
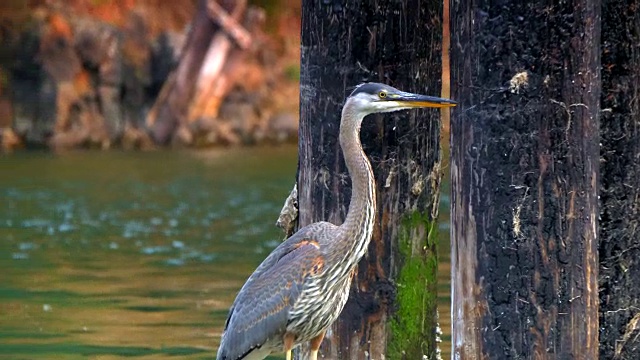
(82, 83)
(160, 15)
(59, 27)
(113, 11)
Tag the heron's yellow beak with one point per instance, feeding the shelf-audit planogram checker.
(419, 101)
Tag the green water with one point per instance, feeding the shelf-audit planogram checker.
(105, 255)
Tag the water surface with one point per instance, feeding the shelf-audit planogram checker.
(105, 255)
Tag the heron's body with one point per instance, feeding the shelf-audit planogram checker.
(300, 289)
(297, 266)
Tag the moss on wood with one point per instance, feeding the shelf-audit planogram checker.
(416, 290)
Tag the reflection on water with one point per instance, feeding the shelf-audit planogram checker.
(110, 255)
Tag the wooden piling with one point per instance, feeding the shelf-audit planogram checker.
(391, 312)
(525, 176)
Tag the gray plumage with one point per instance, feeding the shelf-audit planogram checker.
(300, 289)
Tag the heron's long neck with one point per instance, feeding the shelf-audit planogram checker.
(358, 224)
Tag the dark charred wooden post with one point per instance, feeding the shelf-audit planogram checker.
(392, 305)
(524, 177)
(620, 195)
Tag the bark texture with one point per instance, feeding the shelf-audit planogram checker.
(620, 195)
(391, 310)
(524, 177)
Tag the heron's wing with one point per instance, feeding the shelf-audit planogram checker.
(261, 309)
(314, 232)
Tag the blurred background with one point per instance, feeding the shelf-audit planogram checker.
(120, 253)
(94, 74)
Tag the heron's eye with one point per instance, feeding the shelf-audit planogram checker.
(382, 94)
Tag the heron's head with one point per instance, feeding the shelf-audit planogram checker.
(372, 98)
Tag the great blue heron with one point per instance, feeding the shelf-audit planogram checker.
(301, 287)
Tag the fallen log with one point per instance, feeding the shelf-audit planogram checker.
(213, 82)
(202, 59)
(174, 98)
(229, 24)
